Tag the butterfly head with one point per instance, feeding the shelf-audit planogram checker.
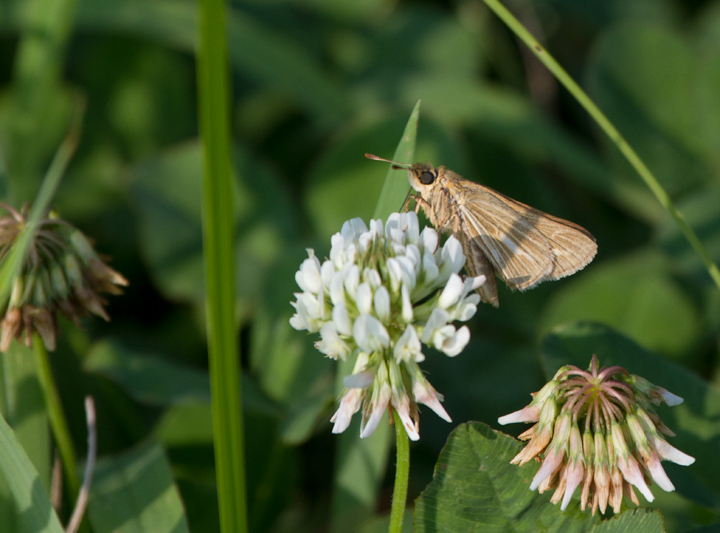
(422, 176)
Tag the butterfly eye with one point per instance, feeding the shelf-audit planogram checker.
(426, 178)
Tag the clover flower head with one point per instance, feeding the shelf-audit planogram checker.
(597, 430)
(382, 292)
(60, 273)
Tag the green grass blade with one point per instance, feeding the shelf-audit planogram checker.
(396, 184)
(612, 132)
(218, 238)
(36, 514)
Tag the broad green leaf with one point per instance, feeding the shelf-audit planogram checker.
(707, 81)
(429, 42)
(190, 424)
(288, 368)
(343, 184)
(157, 381)
(39, 105)
(276, 60)
(31, 502)
(185, 425)
(186, 431)
(498, 116)
(632, 521)
(701, 212)
(643, 77)
(707, 27)
(359, 469)
(475, 488)
(148, 378)
(134, 492)
(696, 421)
(167, 190)
(489, 379)
(343, 10)
(25, 409)
(636, 295)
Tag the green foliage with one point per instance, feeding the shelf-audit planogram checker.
(32, 511)
(638, 296)
(134, 492)
(475, 488)
(316, 85)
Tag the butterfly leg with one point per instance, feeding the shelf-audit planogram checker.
(420, 202)
(406, 204)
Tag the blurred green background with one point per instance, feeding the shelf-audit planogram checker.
(315, 85)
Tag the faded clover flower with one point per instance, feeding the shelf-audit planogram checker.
(598, 429)
(377, 298)
(60, 272)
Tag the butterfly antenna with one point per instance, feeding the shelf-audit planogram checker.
(394, 163)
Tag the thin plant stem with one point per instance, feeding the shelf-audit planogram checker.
(81, 504)
(612, 132)
(56, 415)
(402, 473)
(56, 482)
(219, 261)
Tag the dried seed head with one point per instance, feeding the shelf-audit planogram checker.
(61, 272)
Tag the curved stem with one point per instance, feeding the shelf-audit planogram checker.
(402, 471)
(58, 422)
(81, 504)
(607, 126)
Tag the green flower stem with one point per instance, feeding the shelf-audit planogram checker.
(585, 101)
(402, 472)
(218, 249)
(58, 422)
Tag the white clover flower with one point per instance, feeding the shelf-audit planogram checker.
(382, 293)
(308, 277)
(408, 347)
(331, 344)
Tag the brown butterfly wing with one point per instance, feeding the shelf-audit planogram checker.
(523, 244)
